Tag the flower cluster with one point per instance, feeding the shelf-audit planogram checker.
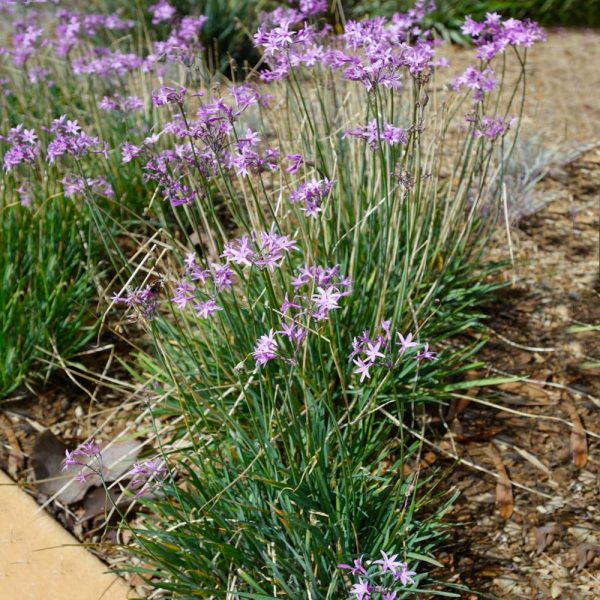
(106, 63)
(478, 81)
(118, 103)
(381, 580)
(265, 250)
(311, 194)
(375, 53)
(88, 456)
(286, 48)
(245, 159)
(27, 39)
(317, 291)
(40, 75)
(162, 12)
(168, 95)
(70, 140)
(24, 147)
(491, 127)
(169, 169)
(305, 10)
(72, 26)
(210, 144)
(145, 300)
(493, 35)
(147, 475)
(368, 352)
(375, 134)
(74, 186)
(207, 282)
(183, 43)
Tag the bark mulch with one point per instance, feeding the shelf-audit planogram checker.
(544, 432)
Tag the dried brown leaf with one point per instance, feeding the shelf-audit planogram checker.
(504, 494)
(545, 535)
(579, 448)
(47, 457)
(585, 554)
(97, 502)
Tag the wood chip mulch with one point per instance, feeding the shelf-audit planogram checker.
(542, 433)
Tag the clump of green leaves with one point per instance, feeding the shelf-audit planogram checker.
(46, 290)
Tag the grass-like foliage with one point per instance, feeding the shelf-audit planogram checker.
(302, 250)
(46, 289)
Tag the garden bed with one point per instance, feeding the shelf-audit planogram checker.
(526, 450)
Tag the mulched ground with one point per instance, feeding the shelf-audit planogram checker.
(544, 433)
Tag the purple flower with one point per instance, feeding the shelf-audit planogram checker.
(168, 95)
(389, 563)
(239, 251)
(362, 369)
(184, 294)
(264, 250)
(207, 308)
(285, 307)
(161, 11)
(223, 276)
(493, 35)
(311, 194)
(296, 161)
(404, 575)
(24, 192)
(105, 63)
(406, 342)
(479, 81)
(371, 133)
(295, 333)
(426, 354)
(76, 186)
(372, 351)
(389, 596)
(118, 103)
(362, 590)
(129, 152)
(147, 475)
(326, 299)
(491, 128)
(266, 349)
(84, 456)
(70, 140)
(357, 569)
(145, 300)
(23, 148)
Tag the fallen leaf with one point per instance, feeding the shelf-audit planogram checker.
(504, 494)
(98, 502)
(544, 536)
(118, 457)
(47, 457)
(579, 449)
(585, 554)
(46, 460)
